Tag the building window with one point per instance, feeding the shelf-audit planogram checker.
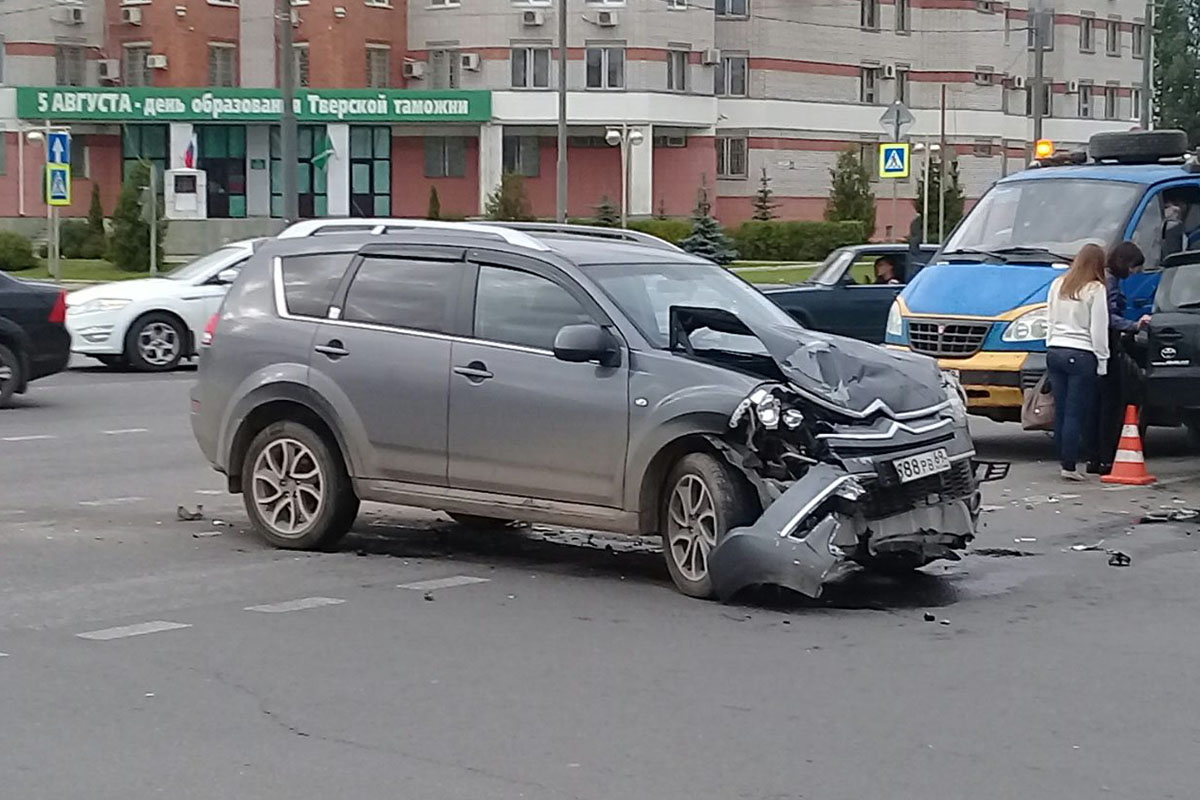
(530, 67)
(144, 143)
(133, 68)
(869, 14)
(902, 20)
(1135, 101)
(729, 78)
(1112, 37)
(606, 68)
(444, 66)
(445, 157)
(605, 2)
(222, 156)
(300, 65)
(79, 155)
(868, 85)
(370, 171)
(222, 65)
(984, 76)
(313, 150)
(379, 67)
(732, 8)
(1047, 97)
(1137, 44)
(731, 157)
(522, 155)
(1112, 103)
(902, 84)
(69, 65)
(1087, 34)
(443, 3)
(677, 70)
(983, 150)
(1085, 100)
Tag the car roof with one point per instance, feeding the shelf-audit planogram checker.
(1120, 173)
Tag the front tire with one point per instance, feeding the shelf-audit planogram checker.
(296, 490)
(11, 374)
(702, 500)
(112, 362)
(155, 343)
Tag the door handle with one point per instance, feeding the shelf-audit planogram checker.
(1168, 335)
(333, 349)
(475, 372)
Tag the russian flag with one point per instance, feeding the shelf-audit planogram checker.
(189, 155)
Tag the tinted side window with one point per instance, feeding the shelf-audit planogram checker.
(1180, 288)
(404, 293)
(310, 281)
(517, 307)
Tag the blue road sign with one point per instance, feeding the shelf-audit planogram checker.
(58, 148)
(894, 160)
(58, 184)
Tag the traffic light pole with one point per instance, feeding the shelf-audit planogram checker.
(561, 167)
(287, 91)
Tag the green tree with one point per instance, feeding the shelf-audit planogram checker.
(607, 215)
(1177, 66)
(129, 248)
(708, 238)
(96, 243)
(955, 199)
(764, 199)
(509, 202)
(850, 196)
(435, 205)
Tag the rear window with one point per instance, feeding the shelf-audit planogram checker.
(309, 282)
(404, 293)
(1180, 289)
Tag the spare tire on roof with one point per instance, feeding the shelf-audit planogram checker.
(1137, 147)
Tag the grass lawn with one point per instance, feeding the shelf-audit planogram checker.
(80, 269)
(795, 273)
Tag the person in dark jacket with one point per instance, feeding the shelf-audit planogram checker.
(1123, 260)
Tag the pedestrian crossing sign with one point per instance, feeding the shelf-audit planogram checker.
(58, 184)
(894, 160)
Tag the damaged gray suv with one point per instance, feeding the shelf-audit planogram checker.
(579, 377)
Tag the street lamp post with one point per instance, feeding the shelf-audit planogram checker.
(623, 137)
(928, 150)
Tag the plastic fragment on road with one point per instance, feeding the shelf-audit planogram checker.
(189, 516)
(1169, 515)
(1118, 559)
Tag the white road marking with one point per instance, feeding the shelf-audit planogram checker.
(111, 501)
(33, 438)
(3, 655)
(121, 431)
(442, 583)
(297, 605)
(158, 626)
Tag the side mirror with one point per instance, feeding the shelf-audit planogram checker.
(227, 276)
(585, 342)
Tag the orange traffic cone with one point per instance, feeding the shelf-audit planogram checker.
(1129, 468)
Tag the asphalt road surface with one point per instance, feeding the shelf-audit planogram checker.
(146, 657)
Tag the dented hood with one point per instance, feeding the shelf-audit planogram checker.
(845, 374)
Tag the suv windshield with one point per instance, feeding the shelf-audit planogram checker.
(1057, 216)
(197, 268)
(646, 292)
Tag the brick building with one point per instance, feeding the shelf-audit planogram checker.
(719, 89)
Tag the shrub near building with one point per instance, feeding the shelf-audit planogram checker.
(16, 252)
(796, 241)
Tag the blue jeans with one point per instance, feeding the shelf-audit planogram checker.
(1075, 383)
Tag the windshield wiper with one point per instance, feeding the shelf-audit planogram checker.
(970, 251)
(1005, 251)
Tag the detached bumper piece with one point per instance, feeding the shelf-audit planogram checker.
(988, 471)
(830, 523)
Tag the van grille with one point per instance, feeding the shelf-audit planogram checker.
(954, 338)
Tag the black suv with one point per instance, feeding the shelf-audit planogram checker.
(1173, 352)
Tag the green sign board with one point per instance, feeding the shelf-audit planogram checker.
(252, 105)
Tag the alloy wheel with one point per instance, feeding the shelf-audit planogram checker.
(158, 344)
(288, 487)
(691, 527)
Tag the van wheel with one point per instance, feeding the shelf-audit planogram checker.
(296, 488)
(701, 501)
(10, 374)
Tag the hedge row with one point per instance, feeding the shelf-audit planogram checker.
(16, 252)
(795, 241)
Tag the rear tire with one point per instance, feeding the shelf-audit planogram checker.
(155, 343)
(11, 374)
(296, 490)
(701, 501)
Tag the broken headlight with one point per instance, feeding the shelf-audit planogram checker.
(895, 321)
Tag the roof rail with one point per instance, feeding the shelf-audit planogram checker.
(381, 225)
(590, 231)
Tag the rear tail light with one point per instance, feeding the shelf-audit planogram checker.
(58, 314)
(210, 330)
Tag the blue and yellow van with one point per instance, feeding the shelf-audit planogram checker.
(979, 307)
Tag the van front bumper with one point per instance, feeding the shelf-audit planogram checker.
(995, 382)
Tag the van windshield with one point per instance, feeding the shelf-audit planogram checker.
(1053, 216)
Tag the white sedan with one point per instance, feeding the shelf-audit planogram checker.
(151, 324)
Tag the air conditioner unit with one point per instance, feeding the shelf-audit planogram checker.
(131, 16)
(71, 15)
(1072, 87)
(606, 19)
(110, 69)
(711, 57)
(533, 19)
(676, 141)
(889, 72)
(1018, 82)
(156, 61)
(469, 61)
(414, 70)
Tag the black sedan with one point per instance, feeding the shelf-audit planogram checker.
(34, 341)
(833, 300)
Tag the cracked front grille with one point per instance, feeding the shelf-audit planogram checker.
(951, 338)
(957, 483)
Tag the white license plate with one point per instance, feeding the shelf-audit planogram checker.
(922, 465)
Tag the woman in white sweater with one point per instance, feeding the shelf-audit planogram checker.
(1077, 353)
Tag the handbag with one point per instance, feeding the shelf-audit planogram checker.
(1037, 407)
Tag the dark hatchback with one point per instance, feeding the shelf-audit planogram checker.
(1173, 348)
(833, 301)
(34, 341)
